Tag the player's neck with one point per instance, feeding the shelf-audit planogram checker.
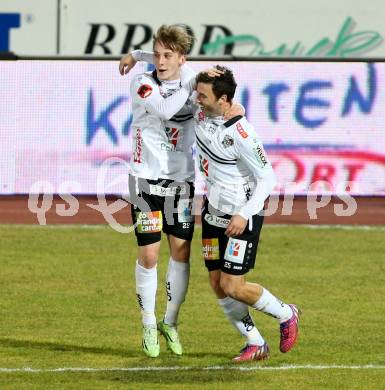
(172, 79)
(226, 107)
(168, 81)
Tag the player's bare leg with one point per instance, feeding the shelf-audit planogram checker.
(179, 248)
(215, 280)
(148, 255)
(236, 287)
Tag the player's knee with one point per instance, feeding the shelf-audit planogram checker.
(148, 262)
(180, 250)
(230, 287)
(181, 254)
(148, 257)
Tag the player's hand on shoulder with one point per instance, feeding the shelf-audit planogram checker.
(236, 226)
(127, 62)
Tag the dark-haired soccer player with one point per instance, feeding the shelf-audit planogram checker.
(239, 178)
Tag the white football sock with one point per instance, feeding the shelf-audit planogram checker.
(146, 286)
(177, 279)
(271, 305)
(238, 314)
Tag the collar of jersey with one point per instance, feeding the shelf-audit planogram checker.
(231, 121)
(218, 120)
(159, 82)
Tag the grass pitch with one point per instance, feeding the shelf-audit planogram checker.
(67, 299)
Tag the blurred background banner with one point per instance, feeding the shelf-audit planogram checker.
(60, 120)
(290, 28)
(29, 27)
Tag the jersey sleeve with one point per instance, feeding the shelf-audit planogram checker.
(188, 78)
(143, 55)
(144, 90)
(187, 74)
(253, 155)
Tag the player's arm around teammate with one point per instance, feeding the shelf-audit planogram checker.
(161, 181)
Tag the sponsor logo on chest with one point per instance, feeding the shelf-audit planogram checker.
(172, 137)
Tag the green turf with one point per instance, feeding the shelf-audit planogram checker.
(67, 299)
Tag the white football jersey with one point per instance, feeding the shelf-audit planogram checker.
(234, 165)
(162, 129)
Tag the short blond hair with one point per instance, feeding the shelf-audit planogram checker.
(175, 38)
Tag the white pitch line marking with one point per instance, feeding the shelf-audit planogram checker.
(181, 368)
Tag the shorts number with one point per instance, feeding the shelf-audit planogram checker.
(227, 264)
(186, 225)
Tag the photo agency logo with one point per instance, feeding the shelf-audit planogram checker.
(41, 201)
(41, 195)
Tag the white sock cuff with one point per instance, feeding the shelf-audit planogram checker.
(263, 300)
(231, 305)
(270, 304)
(145, 270)
(225, 301)
(178, 265)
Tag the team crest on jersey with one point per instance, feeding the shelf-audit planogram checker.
(227, 141)
(145, 91)
(149, 222)
(203, 165)
(210, 248)
(241, 130)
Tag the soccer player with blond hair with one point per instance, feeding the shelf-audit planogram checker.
(161, 181)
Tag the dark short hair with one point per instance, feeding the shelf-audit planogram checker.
(222, 85)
